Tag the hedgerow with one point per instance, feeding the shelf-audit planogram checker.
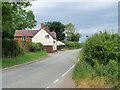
(102, 52)
(11, 48)
(73, 45)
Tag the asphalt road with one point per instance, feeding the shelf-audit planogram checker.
(41, 74)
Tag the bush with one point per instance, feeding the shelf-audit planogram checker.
(73, 45)
(25, 43)
(109, 71)
(33, 47)
(41, 47)
(101, 52)
(100, 47)
(11, 48)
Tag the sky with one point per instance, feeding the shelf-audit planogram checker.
(87, 17)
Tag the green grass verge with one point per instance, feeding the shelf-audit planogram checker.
(31, 56)
(83, 76)
(82, 70)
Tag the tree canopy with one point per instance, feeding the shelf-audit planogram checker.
(15, 17)
(72, 34)
(57, 27)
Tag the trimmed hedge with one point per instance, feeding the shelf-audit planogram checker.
(11, 48)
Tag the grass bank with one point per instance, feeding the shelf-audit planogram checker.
(31, 56)
(83, 76)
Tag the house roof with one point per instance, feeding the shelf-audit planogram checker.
(53, 34)
(25, 33)
(20, 33)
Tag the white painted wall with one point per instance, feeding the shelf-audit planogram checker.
(55, 45)
(40, 37)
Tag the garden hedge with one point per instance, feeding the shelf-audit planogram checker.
(11, 48)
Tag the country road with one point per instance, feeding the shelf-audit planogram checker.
(41, 74)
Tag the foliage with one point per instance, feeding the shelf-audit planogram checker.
(15, 17)
(75, 37)
(69, 30)
(71, 33)
(101, 52)
(60, 47)
(82, 70)
(33, 47)
(58, 27)
(100, 47)
(109, 71)
(11, 48)
(41, 47)
(27, 57)
(73, 45)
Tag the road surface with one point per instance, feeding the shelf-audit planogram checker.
(41, 74)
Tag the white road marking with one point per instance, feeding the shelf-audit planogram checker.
(56, 81)
(68, 71)
(62, 76)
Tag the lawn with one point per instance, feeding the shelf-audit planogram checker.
(31, 56)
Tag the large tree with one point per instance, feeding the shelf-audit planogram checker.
(15, 17)
(57, 27)
(71, 33)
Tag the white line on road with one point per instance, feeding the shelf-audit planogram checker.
(56, 81)
(62, 76)
(68, 71)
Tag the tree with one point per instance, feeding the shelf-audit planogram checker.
(15, 17)
(72, 34)
(75, 37)
(70, 29)
(57, 27)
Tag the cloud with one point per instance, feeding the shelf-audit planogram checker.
(77, 0)
(64, 8)
(113, 27)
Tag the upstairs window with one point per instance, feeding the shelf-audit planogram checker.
(53, 41)
(46, 36)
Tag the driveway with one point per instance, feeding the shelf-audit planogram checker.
(41, 74)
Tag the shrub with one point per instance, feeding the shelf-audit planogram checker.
(33, 47)
(26, 43)
(109, 71)
(11, 48)
(41, 47)
(101, 52)
(73, 45)
(101, 47)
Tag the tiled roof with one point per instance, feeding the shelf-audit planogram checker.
(25, 33)
(32, 33)
(53, 34)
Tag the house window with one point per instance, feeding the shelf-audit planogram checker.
(53, 41)
(23, 38)
(46, 36)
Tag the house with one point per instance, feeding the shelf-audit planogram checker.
(44, 36)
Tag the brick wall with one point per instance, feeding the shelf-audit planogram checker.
(19, 39)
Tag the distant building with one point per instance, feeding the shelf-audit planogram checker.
(44, 36)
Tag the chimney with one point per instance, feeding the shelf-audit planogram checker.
(42, 25)
(47, 28)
